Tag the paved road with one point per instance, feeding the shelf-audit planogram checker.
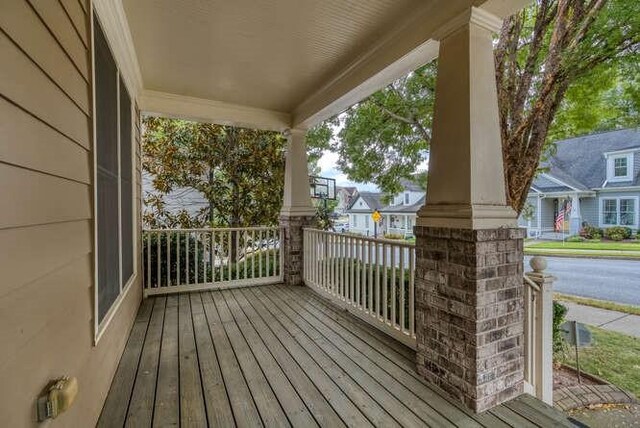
(615, 280)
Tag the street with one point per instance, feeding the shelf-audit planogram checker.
(605, 279)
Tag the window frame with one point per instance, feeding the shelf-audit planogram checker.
(611, 173)
(100, 326)
(617, 199)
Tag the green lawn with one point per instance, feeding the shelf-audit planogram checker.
(614, 357)
(606, 245)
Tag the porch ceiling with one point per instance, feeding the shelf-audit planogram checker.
(301, 58)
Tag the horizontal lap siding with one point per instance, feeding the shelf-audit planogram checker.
(589, 210)
(546, 214)
(46, 224)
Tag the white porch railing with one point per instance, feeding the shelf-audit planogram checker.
(178, 260)
(372, 278)
(538, 334)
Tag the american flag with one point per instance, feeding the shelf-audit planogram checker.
(559, 226)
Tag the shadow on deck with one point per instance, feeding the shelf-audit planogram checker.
(279, 356)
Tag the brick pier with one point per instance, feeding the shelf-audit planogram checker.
(292, 247)
(469, 312)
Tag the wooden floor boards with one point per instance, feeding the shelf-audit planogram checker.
(279, 356)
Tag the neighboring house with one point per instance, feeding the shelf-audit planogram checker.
(182, 198)
(345, 195)
(594, 178)
(398, 217)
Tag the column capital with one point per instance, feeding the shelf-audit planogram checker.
(467, 216)
(294, 132)
(473, 15)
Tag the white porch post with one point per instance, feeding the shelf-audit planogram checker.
(297, 210)
(576, 218)
(469, 284)
(542, 343)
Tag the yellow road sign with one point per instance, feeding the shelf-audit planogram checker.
(376, 216)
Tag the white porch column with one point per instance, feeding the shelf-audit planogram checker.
(469, 286)
(297, 198)
(297, 211)
(466, 186)
(575, 222)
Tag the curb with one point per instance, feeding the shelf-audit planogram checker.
(581, 256)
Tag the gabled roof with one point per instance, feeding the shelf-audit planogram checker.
(350, 190)
(372, 199)
(411, 186)
(580, 163)
(405, 208)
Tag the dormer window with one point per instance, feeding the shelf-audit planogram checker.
(619, 167)
(406, 198)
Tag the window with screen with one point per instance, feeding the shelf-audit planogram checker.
(619, 211)
(114, 173)
(620, 167)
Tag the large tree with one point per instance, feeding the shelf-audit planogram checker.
(239, 172)
(541, 53)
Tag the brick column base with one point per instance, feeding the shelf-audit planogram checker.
(470, 312)
(292, 247)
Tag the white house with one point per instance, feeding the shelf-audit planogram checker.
(398, 217)
(345, 195)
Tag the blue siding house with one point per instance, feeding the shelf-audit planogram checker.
(593, 179)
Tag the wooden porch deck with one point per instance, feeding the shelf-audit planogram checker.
(279, 356)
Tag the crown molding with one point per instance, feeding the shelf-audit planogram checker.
(212, 111)
(472, 15)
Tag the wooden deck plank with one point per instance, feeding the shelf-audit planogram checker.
(393, 364)
(166, 411)
(367, 405)
(375, 364)
(309, 393)
(537, 412)
(280, 356)
(294, 407)
(343, 317)
(116, 405)
(244, 409)
(512, 418)
(401, 413)
(342, 404)
(144, 390)
(416, 404)
(219, 413)
(192, 409)
(268, 405)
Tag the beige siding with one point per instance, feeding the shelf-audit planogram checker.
(46, 224)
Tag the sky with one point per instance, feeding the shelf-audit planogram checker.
(328, 168)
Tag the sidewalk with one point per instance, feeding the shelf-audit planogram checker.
(603, 318)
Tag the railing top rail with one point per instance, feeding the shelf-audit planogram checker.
(531, 283)
(365, 238)
(216, 229)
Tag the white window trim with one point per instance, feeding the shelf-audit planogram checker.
(611, 178)
(100, 327)
(617, 199)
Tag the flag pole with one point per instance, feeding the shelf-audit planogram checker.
(564, 219)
